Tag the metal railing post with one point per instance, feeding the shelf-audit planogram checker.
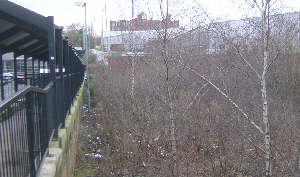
(39, 73)
(44, 74)
(32, 77)
(61, 74)
(30, 131)
(1, 76)
(69, 77)
(25, 69)
(15, 72)
(59, 84)
(52, 64)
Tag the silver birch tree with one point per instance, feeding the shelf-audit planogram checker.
(264, 8)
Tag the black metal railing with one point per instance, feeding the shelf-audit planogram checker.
(35, 98)
(33, 108)
(28, 121)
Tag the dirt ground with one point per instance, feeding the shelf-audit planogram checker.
(89, 146)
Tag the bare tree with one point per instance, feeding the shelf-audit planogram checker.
(169, 94)
(176, 124)
(264, 7)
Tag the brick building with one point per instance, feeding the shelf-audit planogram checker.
(141, 23)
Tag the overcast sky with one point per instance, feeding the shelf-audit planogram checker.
(65, 12)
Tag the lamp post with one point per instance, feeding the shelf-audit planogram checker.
(85, 46)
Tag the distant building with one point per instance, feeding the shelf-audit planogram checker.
(125, 39)
(141, 24)
(195, 39)
(211, 38)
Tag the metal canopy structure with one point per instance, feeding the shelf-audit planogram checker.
(31, 116)
(22, 31)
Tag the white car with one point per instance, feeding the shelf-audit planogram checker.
(8, 76)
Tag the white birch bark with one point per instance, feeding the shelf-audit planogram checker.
(264, 8)
(173, 134)
(169, 92)
(266, 36)
(132, 74)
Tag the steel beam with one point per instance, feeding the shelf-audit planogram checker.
(44, 75)
(15, 12)
(25, 68)
(1, 76)
(33, 73)
(60, 57)
(15, 72)
(39, 72)
(21, 42)
(9, 33)
(33, 46)
(52, 64)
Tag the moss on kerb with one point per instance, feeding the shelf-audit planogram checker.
(70, 120)
(68, 139)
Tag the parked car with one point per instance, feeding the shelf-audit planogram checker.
(8, 76)
(21, 79)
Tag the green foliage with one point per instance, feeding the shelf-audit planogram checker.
(83, 172)
(92, 57)
(92, 95)
(78, 38)
(74, 32)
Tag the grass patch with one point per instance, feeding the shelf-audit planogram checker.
(83, 172)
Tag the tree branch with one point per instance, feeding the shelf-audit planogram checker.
(257, 5)
(248, 64)
(195, 98)
(226, 97)
(272, 61)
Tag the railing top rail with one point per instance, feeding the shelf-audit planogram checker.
(22, 93)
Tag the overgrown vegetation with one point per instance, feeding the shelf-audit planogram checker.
(231, 108)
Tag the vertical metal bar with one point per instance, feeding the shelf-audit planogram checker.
(68, 76)
(44, 74)
(15, 72)
(42, 130)
(60, 67)
(1, 76)
(30, 132)
(45, 123)
(72, 75)
(25, 142)
(39, 72)
(20, 135)
(52, 64)
(51, 46)
(48, 72)
(3, 148)
(37, 128)
(65, 86)
(13, 139)
(11, 112)
(6, 143)
(25, 69)
(32, 77)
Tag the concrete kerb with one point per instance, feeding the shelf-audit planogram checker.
(62, 153)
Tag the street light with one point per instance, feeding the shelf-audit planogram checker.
(85, 46)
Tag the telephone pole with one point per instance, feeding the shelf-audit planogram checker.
(85, 46)
(87, 59)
